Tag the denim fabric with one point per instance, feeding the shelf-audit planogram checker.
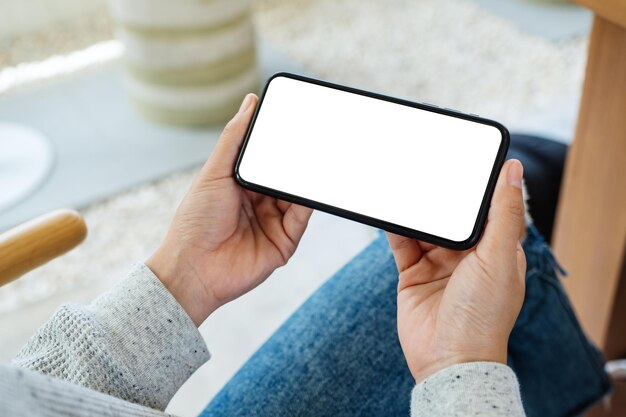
(561, 373)
(339, 353)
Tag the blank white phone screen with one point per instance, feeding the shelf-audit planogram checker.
(410, 167)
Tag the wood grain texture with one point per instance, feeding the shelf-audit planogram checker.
(36, 242)
(590, 233)
(615, 342)
(613, 10)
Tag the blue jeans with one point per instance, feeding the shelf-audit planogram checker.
(339, 353)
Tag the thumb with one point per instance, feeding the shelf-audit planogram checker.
(506, 214)
(221, 163)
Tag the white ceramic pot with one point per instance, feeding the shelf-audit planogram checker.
(189, 62)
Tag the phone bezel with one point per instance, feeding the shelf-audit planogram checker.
(371, 221)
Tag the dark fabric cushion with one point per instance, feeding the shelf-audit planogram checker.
(543, 161)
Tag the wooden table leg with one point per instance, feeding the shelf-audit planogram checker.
(590, 233)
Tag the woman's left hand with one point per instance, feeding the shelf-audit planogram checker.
(456, 307)
(225, 240)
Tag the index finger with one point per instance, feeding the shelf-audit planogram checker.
(406, 251)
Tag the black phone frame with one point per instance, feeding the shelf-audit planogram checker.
(371, 221)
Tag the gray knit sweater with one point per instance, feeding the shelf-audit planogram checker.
(129, 351)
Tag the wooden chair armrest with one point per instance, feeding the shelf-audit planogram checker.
(37, 241)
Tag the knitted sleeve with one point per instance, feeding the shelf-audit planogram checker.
(134, 342)
(484, 389)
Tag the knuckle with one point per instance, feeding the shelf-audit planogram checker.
(293, 215)
(516, 208)
(482, 266)
(233, 127)
(229, 129)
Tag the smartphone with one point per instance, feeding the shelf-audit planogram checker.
(410, 168)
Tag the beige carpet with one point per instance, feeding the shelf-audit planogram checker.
(450, 53)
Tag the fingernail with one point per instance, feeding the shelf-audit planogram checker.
(246, 103)
(515, 174)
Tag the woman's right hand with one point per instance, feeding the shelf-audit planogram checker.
(225, 240)
(456, 307)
